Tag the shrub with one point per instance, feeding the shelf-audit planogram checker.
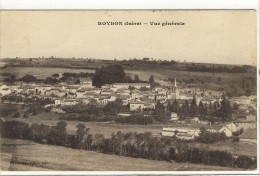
(245, 162)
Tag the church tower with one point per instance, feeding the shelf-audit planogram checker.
(176, 90)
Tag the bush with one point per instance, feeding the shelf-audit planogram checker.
(210, 138)
(245, 162)
(16, 115)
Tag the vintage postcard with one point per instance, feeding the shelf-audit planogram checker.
(129, 90)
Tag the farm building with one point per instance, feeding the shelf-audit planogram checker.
(181, 133)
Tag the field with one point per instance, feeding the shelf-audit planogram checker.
(107, 128)
(40, 73)
(22, 155)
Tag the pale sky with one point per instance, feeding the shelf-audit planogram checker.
(213, 36)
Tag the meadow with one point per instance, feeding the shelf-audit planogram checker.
(22, 155)
(42, 72)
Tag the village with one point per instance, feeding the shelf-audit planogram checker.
(141, 97)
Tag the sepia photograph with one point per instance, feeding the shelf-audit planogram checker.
(128, 90)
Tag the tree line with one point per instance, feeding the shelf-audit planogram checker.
(203, 68)
(222, 110)
(137, 145)
(53, 79)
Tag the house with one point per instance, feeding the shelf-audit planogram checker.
(81, 92)
(89, 94)
(160, 90)
(69, 102)
(136, 105)
(5, 91)
(182, 101)
(211, 130)
(124, 114)
(149, 95)
(207, 100)
(140, 85)
(161, 96)
(104, 101)
(195, 120)
(97, 90)
(55, 92)
(72, 88)
(185, 136)
(136, 94)
(57, 101)
(41, 89)
(181, 133)
(229, 129)
(174, 117)
(121, 85)
(127, 85)
(86, 82)
(106, 86)
(149, 105)
(106, 91)
(246, 124)
(123, 92)
(29, 89)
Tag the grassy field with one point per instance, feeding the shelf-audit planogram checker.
(40, 73)
(22, 155)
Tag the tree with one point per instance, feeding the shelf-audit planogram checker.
(136, 79)
(16, 115)
(58, 134)
(184, 110)
(201, 109)
(110, 74)
(81, 132)
(210, 111)
(151, 80)
(55, 75)
(51, 80)
(193, 107)
(77, 81)
(174, 106)
(225, 111)
(28, 78)
(114, 107)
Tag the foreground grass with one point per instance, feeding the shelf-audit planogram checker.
(29, 156)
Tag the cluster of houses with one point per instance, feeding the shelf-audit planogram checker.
(248, 124)
(138, 96)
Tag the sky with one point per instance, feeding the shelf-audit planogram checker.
(211, 36)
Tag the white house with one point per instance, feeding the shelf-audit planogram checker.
(72, 88)
(181, 133)
(86, 82)
(5, 91)
(174, 116)
(69, 102)
(229, 129)
(55, 92)
(136, 105)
